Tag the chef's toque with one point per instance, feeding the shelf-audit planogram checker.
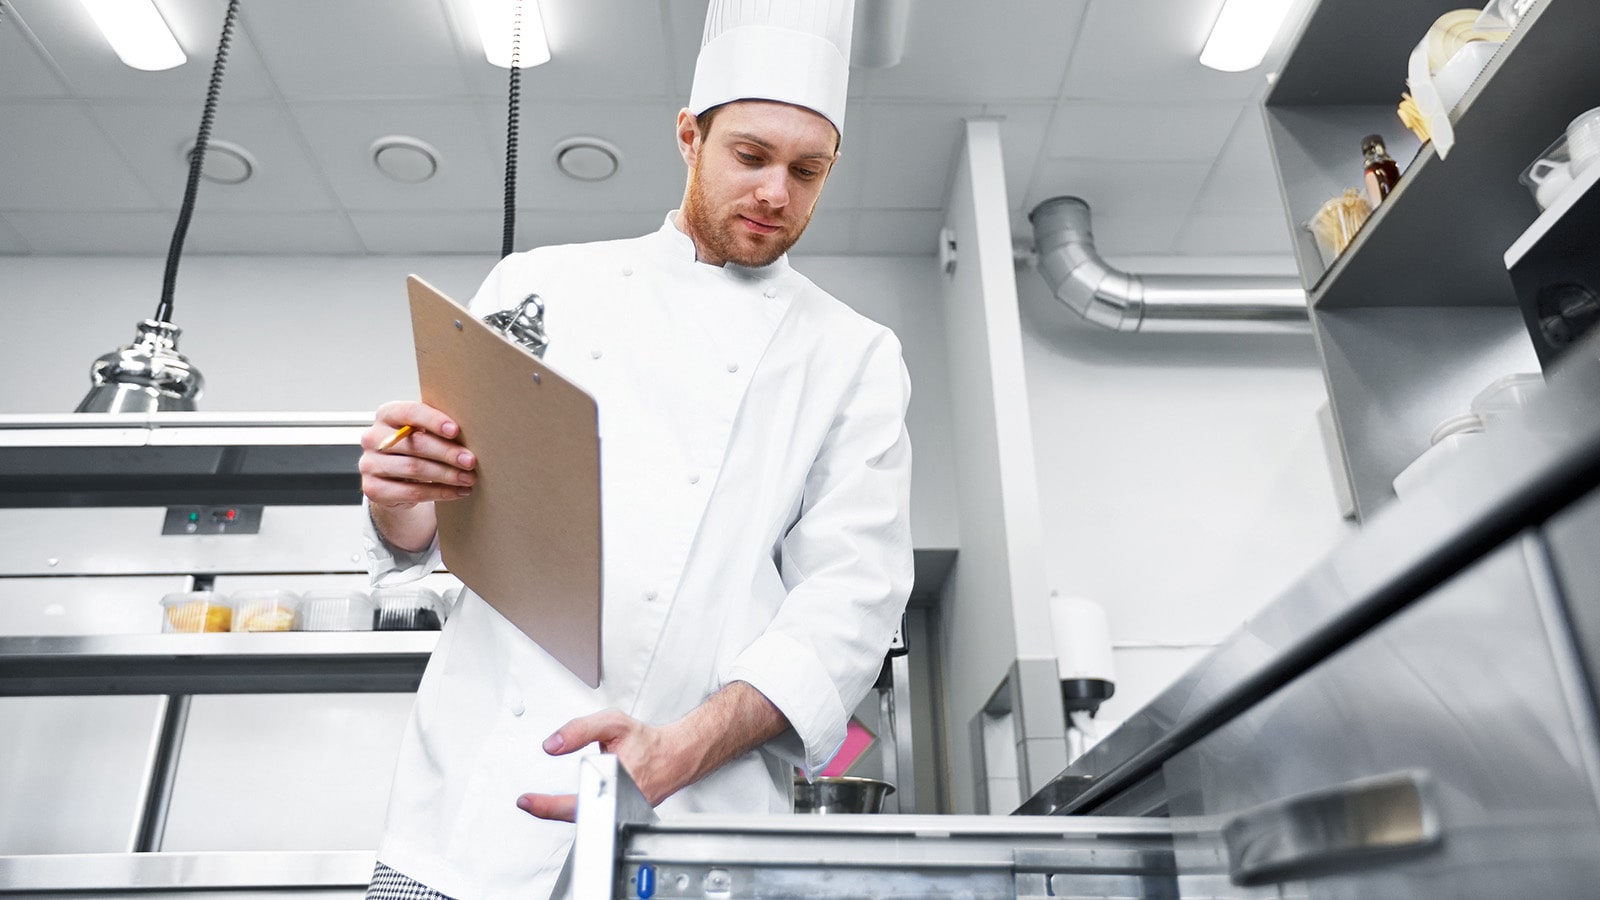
(793, 51)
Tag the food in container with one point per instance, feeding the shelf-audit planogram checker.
(1336, 223)
(330, 609)
(196, 611)
(266, 610)
(407, 609)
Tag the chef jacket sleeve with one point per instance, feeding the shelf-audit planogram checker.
(846, 563)
(389, 565)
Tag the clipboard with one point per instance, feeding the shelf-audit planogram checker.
(528, 538)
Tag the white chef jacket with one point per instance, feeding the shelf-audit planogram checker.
(756, 481)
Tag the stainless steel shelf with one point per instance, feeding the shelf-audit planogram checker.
(165, 873)
(158, 459)
(290, 662)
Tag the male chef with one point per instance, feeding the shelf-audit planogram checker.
(756, 477)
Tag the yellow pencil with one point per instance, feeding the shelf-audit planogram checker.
(391, 440)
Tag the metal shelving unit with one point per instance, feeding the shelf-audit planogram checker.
(1418, 314)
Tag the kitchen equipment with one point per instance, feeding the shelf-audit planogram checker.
(1583, 141)
(1550, 175)
(840, 794)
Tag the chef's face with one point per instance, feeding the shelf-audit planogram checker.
(755, 173)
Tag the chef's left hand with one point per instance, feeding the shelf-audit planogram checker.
(646, 751)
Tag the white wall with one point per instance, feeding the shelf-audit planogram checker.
(334, 334)
(1182, 478)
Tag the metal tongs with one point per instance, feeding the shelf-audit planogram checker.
(523, 324)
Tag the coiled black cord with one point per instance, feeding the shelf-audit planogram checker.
(197, 159)
(510, 227)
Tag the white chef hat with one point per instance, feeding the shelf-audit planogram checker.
(794, 51)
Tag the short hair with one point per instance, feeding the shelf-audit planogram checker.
(705, 118)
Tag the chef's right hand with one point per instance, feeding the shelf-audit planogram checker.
(426, 465)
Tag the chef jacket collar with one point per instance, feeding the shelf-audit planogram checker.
(678, 245)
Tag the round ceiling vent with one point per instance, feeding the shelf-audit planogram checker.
(587, 158)
(226, 163)
(405, 159)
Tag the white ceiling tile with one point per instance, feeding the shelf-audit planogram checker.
(650, 173)
(1123, 187)
(684, 27)
(272, 233)
(25, 71)
(1244, 179)
(829, 233)
(1214, 234)
(1154, 132)
(898, 232)
(1149, 50)
(1022, 133)
(10, 241)
(56, 158)
(316, 49)
(909, 151)
(153, 139)
(92, 69)
(340, 135)
(101, 232)
(541, 227)
(998, 51)
(442, 231)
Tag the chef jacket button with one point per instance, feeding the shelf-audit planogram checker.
(733, 367)
(694, 478)
(596, 353)
(626, 271)
(651, 594)
(517, 707)
(771, 293)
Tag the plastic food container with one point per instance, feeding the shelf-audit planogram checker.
(407, 609)
(264, 610)
(1336, 223)
(1503, 402)
(334, 610)
(196, 611)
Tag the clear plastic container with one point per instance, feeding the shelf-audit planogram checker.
(196, 611)
(330, 609)
(266, 610)
(407, 609)
(1335, 225)
(1549, 176)
(1502, 403)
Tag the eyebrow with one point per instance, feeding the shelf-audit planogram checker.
(749, 138)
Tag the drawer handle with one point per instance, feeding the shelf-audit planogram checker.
(1351, 826)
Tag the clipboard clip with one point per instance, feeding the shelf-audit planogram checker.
(523, 324)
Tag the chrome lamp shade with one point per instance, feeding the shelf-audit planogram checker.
(148, 375)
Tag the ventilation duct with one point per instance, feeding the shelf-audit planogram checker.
(1090, 287)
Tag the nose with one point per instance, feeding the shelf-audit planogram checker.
(773, 188)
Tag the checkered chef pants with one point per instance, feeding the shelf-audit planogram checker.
(387, 884)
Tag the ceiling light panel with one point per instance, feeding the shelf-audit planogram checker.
(494, 19)
(137, 33)
(1243, 33)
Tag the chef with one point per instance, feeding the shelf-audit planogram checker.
(754, 503)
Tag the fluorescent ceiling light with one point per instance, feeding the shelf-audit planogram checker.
(137, 33)
(494, 27)
(1243, 34)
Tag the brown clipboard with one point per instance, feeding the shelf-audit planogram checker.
(527, 540)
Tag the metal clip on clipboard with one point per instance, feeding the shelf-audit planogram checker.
(523, 324)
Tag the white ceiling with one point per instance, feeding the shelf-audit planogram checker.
(1099, 98)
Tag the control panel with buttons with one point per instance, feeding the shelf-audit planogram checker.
(212, 520)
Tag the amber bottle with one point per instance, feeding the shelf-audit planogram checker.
(1382, 173)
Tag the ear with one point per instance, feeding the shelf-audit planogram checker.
(688, 137)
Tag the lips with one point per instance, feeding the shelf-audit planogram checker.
(758, 226)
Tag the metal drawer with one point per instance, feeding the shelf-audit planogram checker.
(1470, 694)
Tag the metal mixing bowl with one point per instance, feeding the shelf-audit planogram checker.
(840, 795)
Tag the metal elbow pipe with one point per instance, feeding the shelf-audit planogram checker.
(1106, 296)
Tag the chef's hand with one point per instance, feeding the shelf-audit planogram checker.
(644, 750)
(664, 759)
(403, 481)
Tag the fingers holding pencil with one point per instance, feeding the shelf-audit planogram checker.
(410, 455)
